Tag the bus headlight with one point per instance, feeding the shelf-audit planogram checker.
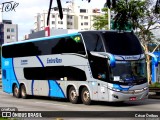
(117, 88)
(114, 88)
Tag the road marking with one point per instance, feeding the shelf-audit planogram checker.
(51, 104)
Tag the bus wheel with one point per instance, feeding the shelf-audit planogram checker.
(16, 92)
(23, 92)
(73, 98)
(85, 95)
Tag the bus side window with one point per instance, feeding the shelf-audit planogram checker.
(4, 73)
(74, 44)
(93, 42)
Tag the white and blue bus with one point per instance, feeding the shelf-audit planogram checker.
(84, 66)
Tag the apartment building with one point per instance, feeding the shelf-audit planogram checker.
(8, 32)
(74, 17)
(40, 20)
(84, 18)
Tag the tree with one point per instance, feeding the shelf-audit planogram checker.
(101, 21)
(143, 18)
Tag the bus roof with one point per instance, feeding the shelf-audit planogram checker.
(42, 38)
(63, 35)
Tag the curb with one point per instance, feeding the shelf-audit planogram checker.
(154, 97)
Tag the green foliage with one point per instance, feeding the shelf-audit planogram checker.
(140, 15)
(155, 85)
(101, 21)
(128, 12)
(4, 118)
(116, 26)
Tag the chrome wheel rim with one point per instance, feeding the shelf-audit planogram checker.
(73, 95)
(86, 96)
(16, 91)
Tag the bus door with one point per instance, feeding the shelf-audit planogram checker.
(6, 82)
(102, 91)
(100, 71)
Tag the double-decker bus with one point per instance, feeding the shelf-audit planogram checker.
(84, 66)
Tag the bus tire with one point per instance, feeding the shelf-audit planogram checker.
(16, 91)
(73, 97)
(85, 96)
(23, 92)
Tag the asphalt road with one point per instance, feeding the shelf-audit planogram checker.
(50, 104)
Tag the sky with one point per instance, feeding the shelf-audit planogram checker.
(24, 13)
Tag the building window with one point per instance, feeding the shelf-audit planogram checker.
(12, 29)
(8, 37)
(69, 16)
(53, 22)
(42, 28)
(8, 29)
(82, 10)
(69, 23)
(53, 16)
(81, 17)
(82, 24)
(85, 17)
(60, 22)
(85, 23)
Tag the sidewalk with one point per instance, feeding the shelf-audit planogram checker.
(152, 95)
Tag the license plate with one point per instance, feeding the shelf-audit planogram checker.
(132, 98)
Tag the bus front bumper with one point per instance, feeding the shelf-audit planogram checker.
(134, 95)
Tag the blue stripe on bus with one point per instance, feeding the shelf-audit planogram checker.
(43, 38)
(48, 80)
(60, 89)
(56, 89)
(14, 73)
(53, 84)
(49, 93)
(32, 87)
(40, 61)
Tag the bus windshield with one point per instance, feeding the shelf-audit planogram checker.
(133, 72)
(122, 43)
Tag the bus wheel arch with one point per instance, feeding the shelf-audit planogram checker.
(23, 91)
(86, 96)
(72, 94)
(16, 91)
